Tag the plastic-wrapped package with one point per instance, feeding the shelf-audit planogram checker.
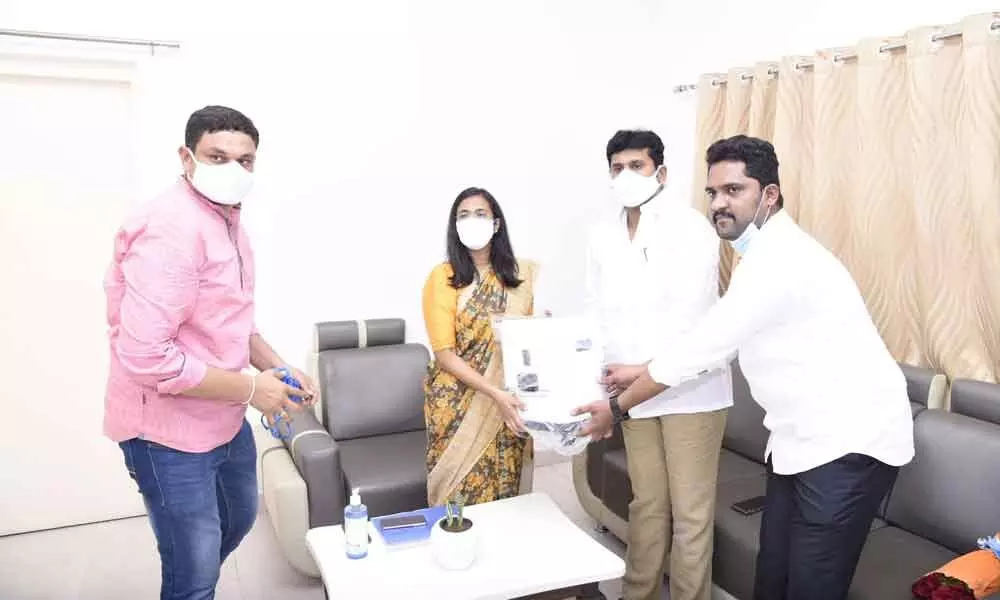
(553, 364)
(558, 436)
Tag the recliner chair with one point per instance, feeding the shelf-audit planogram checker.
(372, 435)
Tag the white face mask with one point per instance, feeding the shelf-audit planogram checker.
(630, 188)
(741, 243)
(475, 232)
(226, 184)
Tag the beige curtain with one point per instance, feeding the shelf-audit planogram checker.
(890, 157)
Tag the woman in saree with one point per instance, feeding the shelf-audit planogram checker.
(476, 444)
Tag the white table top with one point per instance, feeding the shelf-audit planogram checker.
(527, 546)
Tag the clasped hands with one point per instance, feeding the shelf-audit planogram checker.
(617, 378)
(273, 397)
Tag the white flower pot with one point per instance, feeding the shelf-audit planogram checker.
(454, 550)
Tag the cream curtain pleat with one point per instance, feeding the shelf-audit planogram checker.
(946, 254)
(883, 221)
(835, 148)
(744, 105)
(891, 159)
(979, 137)
(712, 112)
(793, 130)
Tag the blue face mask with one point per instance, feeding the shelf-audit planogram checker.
(742, 243)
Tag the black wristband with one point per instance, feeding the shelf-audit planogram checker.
(616, 411)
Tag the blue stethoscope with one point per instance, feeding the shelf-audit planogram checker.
(282, 428)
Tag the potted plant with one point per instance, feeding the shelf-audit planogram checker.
(454, 541)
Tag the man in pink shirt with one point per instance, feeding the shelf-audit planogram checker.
(181, 331)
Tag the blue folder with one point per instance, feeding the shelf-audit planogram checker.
(410, 535)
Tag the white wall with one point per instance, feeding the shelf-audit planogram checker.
(374, 115)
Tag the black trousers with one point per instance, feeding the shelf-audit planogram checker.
(814, 526)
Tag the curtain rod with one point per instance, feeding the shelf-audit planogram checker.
(806, 65)
(88, 38)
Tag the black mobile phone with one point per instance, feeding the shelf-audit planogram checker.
(403, 522)
(750, 506)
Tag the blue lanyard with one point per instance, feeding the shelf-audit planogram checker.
(282, 429)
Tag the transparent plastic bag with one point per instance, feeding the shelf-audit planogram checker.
(558, 437)
(553, 365)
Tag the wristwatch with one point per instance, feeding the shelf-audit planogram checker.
(616, 411)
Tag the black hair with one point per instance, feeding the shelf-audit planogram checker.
(217, 118)
(501, 253)
(757, 155)
(636, 139)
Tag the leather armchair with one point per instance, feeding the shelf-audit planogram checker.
(367, 432)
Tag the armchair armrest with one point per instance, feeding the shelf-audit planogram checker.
(617, 439)
(588, 480)
(317, 457)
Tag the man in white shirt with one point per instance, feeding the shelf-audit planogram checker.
(835, 400)
(652, 271)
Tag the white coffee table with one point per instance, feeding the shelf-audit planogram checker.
(527, 547)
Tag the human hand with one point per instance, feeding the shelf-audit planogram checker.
(618, 377)
(510, 409)
(311, 394)
(271, 396)
(601, 422)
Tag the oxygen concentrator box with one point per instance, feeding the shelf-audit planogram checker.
(553, 364)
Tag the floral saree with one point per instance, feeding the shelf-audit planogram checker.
(470, 450)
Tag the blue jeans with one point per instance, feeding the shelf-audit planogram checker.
(201, 505)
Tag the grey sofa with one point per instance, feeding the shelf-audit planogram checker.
(942, 501)
(940, 504)
(367, 432)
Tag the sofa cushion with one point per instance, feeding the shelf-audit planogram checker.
(617, 492)
(745, 432)
(891, 561)
(373, 391)
(737, 536)
(976, 399)
(336, 335)
(390, 470)
(949, 492)
(918, 383)
(595, 468)
(596, 461)
(733, 466)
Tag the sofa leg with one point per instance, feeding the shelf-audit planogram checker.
(591, 592)
(601, 529)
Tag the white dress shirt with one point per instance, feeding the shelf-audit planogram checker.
(812, 356)
(645, 292)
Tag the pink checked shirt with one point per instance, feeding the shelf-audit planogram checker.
(180, 299)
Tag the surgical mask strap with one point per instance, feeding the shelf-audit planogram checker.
(656, 193)
(757, 212)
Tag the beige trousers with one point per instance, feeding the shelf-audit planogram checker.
(673, 462)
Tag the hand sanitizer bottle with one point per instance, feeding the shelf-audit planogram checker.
(356, 526)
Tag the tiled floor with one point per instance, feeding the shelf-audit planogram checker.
(118, 560)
